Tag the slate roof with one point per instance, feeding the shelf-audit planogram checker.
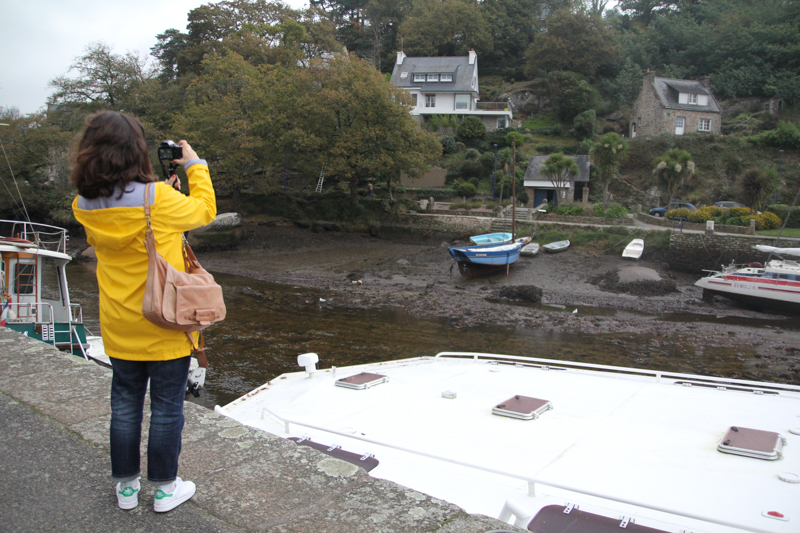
(667, 90)
(459, 67)
(537, 161)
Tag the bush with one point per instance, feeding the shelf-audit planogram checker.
(558, 129)
(738, 211)
(616, 212)
(786, 135)
(584, 124)
(771, 220)
(448, 144)
(759, 221)
(547, 149)
(474, 181)
(472, 154)
(737, 221)
(702, 215)
(597, 210)
(436, 194)
(466, 189)
(460, 147)
(782, 211)
(678, 213)
(569, 210)
(471, 127)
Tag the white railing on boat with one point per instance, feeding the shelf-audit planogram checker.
(51, 238)
(549, 364)
(48, 322)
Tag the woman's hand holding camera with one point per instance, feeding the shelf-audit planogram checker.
(188, 153)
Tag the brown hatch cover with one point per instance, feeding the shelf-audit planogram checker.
(556, 519)
(522, 407)
(755, 443)
(364, 380)
(367, 461)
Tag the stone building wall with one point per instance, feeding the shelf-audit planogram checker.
(695, 252)
(647, 111)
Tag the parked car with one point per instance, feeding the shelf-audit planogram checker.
(727, 205)
(661, 211)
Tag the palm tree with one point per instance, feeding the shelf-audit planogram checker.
(608, 152)
(672, 169)
(560, 169)
(755, 185)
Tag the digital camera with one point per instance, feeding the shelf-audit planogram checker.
(169, 151)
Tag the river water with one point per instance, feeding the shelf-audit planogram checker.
(268, 325)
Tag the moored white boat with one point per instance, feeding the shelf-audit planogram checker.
(775, 285)
(558, 246)
(634, 249)
(530, 249)
(613, 445)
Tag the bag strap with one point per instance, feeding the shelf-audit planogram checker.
(199, 351)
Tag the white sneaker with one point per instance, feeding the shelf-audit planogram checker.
(168, 498)
(128, 494)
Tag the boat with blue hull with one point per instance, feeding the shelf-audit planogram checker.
(478, 260)
(491, 238)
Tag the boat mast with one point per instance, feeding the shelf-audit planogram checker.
(513, 187)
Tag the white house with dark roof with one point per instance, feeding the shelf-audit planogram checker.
(447, 86)
(667, 105)
(540, 188)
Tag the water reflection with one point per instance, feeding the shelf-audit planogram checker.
(269, 325)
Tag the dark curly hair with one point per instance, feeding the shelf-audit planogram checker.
(110, 152)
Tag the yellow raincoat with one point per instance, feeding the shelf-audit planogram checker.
(117, 234)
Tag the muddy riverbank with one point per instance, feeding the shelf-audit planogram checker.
(647, 309)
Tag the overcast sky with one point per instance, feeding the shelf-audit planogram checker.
(40, 39)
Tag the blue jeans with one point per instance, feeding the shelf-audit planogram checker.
(167, 392)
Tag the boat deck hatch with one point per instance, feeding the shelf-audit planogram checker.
(366, 461)
(752, 443)
(559, 518)
(364, 380)
(522, 407)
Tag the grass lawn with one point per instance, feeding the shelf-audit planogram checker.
(788, 232)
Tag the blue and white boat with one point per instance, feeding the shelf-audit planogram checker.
(492, 238)
(482, 259)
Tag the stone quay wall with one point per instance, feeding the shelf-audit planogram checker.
(695, 252)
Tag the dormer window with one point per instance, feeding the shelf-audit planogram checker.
(692, 98)
(433, 77)
(447, 77)
(419, 77)
(403, 75)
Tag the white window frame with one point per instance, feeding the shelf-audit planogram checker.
(430, 100)
(503, 121)
(419, 77)
(446, 77)
(682, 126)
(403, 75)
(414, 99)
(456, 102)
(432, 78)
(704, 124)
(692, 98)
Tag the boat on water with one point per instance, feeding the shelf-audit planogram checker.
(553, 446)
(774, 285)
(491, 238)
(482, 259)
(558, 246)
(530, 249)
(35, 293)
(634, 249)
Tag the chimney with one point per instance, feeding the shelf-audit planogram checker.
(649, 77)
(706, 81)
(400, 57)
(472, 56)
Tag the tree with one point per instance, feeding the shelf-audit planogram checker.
(584, 124)
(575, 42)
(350, 119)
(672, 169)
(104, 80)
(560, 169)
(607, 153)
(446, 28)
(221, 118)
(571, 94)
(756, 185)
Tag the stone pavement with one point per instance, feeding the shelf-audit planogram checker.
(55, 467)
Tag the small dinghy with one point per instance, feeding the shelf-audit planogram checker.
(530, 249)
(491, 238)
(558, 246)
(634, 249)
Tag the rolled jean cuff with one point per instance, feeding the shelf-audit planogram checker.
(161, 484)
(126, 479)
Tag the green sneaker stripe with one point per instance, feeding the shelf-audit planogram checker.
(160, 494)
(128, 491)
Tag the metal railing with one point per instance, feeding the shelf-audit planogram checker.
(51, 238)
(493, 106)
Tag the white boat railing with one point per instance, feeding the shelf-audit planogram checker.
(47, 237)
(531, 481)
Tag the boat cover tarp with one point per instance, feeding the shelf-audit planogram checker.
(779, 251)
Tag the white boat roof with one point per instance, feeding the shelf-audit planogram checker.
(620, 441)
(24, 248)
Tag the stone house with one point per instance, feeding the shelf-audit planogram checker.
(667, 105)
(447, 86)
(540, 188)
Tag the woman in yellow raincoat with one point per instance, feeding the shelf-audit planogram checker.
(111, 168)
